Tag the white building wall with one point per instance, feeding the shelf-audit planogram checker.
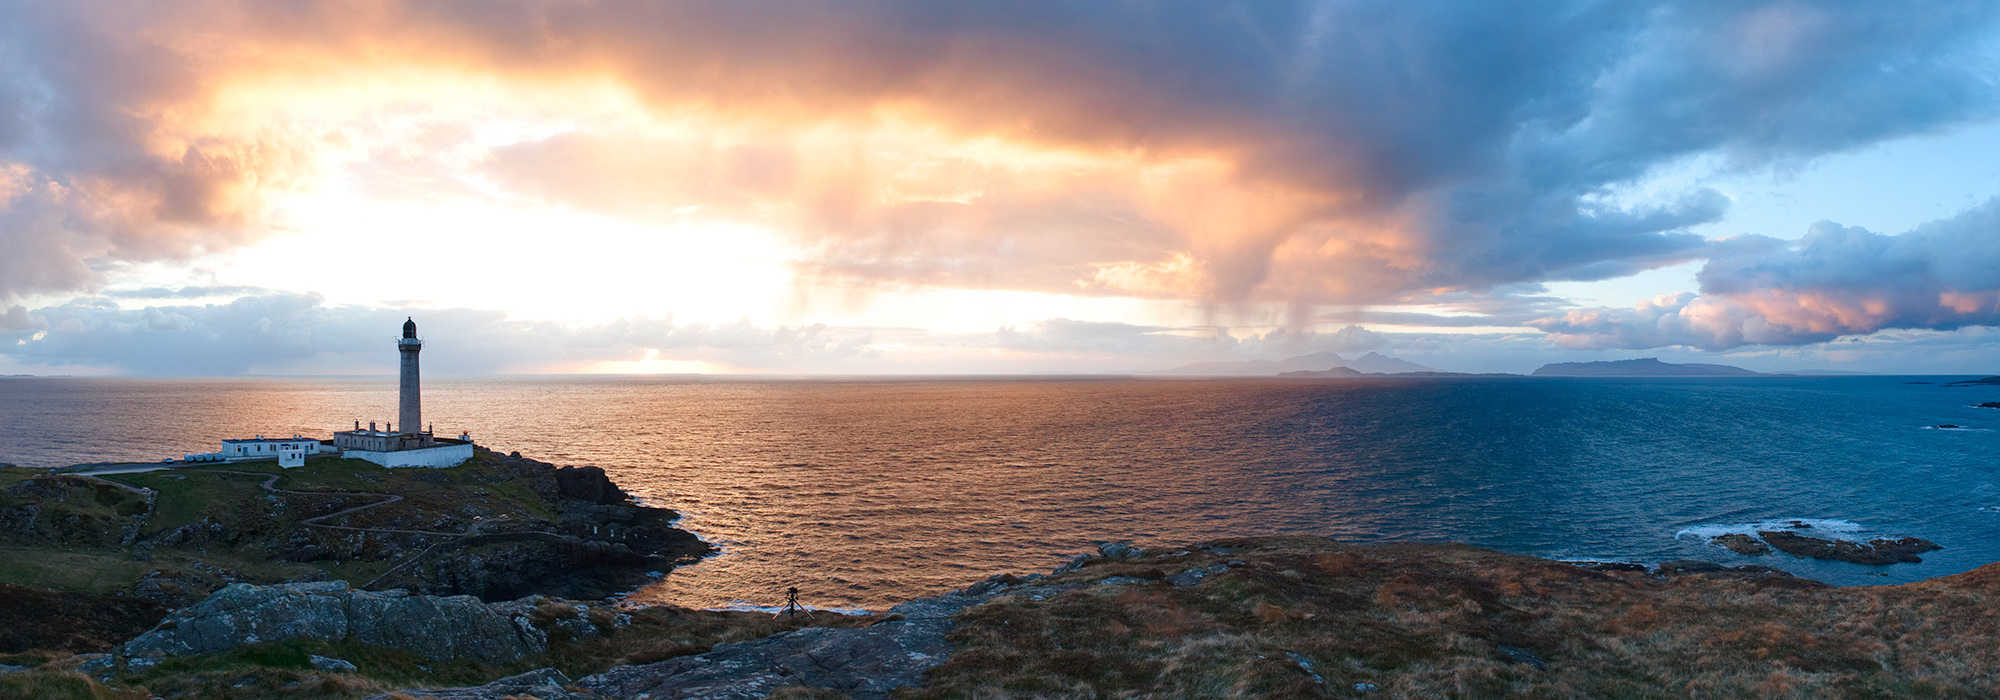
(432, 457)
(267, 449)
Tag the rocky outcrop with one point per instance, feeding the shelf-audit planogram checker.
(600, 543)
(589, 485)
(1741, 544)
(434, 627)
(540, 684)
(1874, 552)
(865, 663)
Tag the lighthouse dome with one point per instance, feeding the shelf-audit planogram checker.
(410, 328)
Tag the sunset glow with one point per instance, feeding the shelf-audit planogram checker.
(922, 184)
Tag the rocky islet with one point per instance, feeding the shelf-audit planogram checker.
(1874, 552)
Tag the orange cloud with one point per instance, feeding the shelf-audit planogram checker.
(1308, 153)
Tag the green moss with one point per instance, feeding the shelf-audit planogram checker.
(102, 572)
(387, 665)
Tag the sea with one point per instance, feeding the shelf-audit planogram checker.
(863, 492)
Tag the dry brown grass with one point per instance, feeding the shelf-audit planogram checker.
(1425, 621)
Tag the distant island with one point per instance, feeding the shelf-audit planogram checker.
(1642, 367)
(1318, 362)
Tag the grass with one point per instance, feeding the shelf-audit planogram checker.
(62, 685)
(1431, 620)
(98, 571)
(227, 521)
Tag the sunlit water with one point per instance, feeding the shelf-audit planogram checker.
(866, 492)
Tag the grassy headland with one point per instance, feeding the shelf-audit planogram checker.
(173, 536)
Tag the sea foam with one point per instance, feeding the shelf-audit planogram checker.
(1823, 528)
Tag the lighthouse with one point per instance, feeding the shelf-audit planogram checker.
(405, 443)
(409, 402)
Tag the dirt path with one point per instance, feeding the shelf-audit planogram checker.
(270, 485)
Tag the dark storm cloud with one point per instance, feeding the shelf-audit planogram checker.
(1364, 151)
(1422, 146)
(1836, 281)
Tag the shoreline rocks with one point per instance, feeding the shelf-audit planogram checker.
(1742, 544)
(1875, 552)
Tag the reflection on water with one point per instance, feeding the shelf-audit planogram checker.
(865, 492)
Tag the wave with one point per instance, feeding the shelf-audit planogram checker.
(1823, 528)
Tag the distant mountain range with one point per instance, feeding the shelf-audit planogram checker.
(1326, 364)
(1642, 367)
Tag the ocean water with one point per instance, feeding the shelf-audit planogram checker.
(864, 492)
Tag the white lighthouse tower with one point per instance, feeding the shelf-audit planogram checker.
(405, 443)
(409, 403)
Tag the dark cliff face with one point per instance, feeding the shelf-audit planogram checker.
(588, 485)
(598, 543)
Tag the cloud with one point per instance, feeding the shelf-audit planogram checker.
(281, 333)
(1836, 281)
(184, 292)
(1305, 152)
(17, 319)
(288, 333)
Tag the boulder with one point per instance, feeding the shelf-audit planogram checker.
(1118, 550)
(1741, 544)
(332, 665)
(1683, 567)
(435, 627)
(1611, 567)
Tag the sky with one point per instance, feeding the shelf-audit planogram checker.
(215, 187)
